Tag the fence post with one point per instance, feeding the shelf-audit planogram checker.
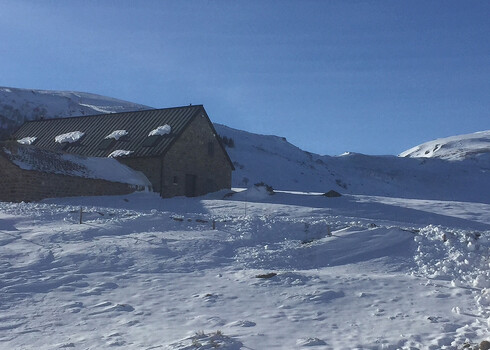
(80, 215)
(329, 232)
(214, 224)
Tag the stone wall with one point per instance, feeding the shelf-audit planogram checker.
(197, 153)
(19, 185)
(150, 166)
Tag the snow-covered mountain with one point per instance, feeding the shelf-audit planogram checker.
(20, 105)
(273, 160)
(469, 146)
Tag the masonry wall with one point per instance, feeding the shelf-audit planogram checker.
(17, 185)
(150, 166)
(190, 155)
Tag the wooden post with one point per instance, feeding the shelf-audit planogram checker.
(81, 215)
(329, 232)
(214, 224)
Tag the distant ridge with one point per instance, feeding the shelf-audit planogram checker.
(467, 146)
(19, 105)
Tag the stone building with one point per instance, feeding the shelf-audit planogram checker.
(31, 174)
(177, 149)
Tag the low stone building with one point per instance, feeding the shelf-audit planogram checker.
(177, 149)
(31, 174)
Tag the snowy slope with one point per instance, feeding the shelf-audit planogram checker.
(142, 272)
(275, 161)
(459, 147)
(20, 105)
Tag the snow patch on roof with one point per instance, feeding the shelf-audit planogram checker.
(27, 140)
(69, 137)
(119, 153)
(161, 130)
(117, 134)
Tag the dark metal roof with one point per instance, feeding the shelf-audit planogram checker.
(95, 128)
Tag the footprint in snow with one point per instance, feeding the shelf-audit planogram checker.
(74, 307)
(202, 341)
(210, 298)
(310, 342)
(97, 290)
(103, 304)
(11, 322)
(115, 340)
(324, 296)
(108, 307)
(243, 324)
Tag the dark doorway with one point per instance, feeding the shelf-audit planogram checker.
(190, 185)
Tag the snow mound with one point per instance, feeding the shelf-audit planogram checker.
(119, 153)
(161, 130)
(27, 140)
(117, 134)
(453, 148)
(456, 255)
(69, 137)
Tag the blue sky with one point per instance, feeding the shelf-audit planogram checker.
(374, 77)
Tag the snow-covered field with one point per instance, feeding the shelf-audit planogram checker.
(355, 272)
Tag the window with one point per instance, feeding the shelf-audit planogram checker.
(211, 149)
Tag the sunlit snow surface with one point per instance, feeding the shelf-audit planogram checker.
(355, 272)
(454, 148)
